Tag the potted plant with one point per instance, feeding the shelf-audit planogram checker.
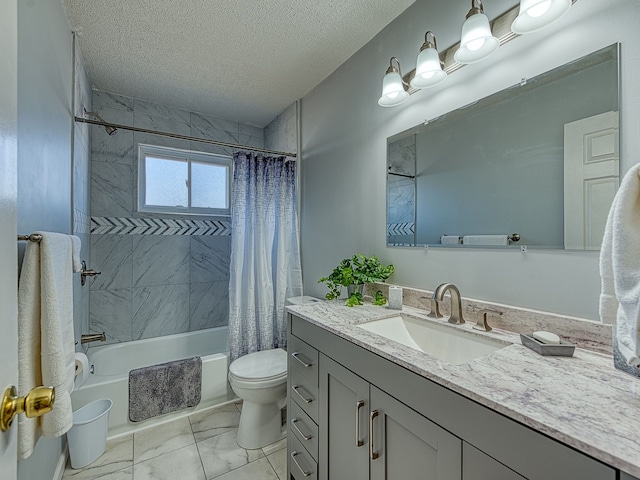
(353, 273)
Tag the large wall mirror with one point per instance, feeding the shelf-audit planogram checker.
(536, 164)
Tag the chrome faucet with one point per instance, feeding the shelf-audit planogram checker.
(456, 302)
(93, 337)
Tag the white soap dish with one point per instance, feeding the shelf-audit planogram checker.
(563, 349)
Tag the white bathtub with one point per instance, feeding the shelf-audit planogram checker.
(111, 365)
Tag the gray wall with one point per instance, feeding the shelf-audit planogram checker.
(344, 135)
(44, 150)
(151, 284)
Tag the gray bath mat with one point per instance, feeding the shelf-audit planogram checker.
(164, 388)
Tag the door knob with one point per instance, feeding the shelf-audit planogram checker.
(37, 402)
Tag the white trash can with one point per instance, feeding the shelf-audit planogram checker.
(88, 436)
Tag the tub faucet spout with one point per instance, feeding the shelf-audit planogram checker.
(93, 337)
(456, 302)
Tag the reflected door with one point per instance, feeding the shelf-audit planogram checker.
(591, 178)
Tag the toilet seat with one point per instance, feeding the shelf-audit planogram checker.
(260, 369)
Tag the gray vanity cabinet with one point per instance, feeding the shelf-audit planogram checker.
(365, 433)
(419, 430)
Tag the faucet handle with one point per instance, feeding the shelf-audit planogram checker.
(434, 311)
(481, 323)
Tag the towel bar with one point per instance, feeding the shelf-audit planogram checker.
(34, 237)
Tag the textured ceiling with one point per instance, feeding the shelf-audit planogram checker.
(244, 60)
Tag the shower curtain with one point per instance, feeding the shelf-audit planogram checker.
(265, 257)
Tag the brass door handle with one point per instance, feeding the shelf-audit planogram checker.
(38, 401)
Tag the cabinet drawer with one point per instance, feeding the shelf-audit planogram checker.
(301, 464)
(304, 429)
(304, 393)
(304, 358)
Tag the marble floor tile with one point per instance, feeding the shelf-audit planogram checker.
(162, 439)
(211, 423)
(221, 454)
(274, 447)
(258, 470)
(278, 461)
(117, 456)
(183, 464)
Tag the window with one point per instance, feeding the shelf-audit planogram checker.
(183, 182)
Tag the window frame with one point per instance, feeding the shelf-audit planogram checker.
(188, 156)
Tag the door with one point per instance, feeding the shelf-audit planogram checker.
(8, 201)
(404, 444)
(591, 178)
(480, 466)
(343, 427)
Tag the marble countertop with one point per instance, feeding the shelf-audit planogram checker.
(582, 401)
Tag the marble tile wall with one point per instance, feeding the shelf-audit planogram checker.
(81, 194)
(154, 282)
(401, 191)
(282, 133)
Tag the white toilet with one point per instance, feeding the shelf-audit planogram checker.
(260, 380)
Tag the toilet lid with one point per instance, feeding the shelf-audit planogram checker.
(260, 365)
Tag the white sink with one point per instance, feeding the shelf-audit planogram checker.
(446, 343)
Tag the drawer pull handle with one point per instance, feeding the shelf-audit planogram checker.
(304, 399)
(372, 454)
(359, 405)
(295, 460)
(294, 422)
(306, 364)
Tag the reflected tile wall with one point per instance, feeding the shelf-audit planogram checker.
(282, 133)
(154, 285)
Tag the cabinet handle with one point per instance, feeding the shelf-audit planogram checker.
(296, 355)
(304, 399)
(295, 460)
(359, 405)
(373, 455)
(294, 422)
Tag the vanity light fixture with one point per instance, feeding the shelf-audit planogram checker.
(477, 42)
(429, 71)
(534, 15)
(393, 86)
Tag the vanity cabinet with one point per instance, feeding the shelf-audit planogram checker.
(419, 428)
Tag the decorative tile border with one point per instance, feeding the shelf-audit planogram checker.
(158, 226)
(404, 228)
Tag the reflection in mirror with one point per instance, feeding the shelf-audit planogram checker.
(539, 160)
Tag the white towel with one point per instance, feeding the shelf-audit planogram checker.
(620, 267)
(45, 334)
(450, 240)
(485, 240)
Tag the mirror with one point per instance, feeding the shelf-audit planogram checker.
(535, 164)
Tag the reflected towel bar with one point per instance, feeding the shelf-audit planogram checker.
(34, 237)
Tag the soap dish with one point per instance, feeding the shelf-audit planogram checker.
(564, 349)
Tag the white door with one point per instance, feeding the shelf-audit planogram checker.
(8, 200)
(591, 178)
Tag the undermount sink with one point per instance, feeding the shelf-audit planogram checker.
(443, 342)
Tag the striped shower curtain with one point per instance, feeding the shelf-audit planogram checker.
(265, 257)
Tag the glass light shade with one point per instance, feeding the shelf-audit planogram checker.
(429, 72)
(536, 14)
(393, 93)
(477, 42)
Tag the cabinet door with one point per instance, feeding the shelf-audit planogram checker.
(404, 444)
(343, 428)
(477, 465)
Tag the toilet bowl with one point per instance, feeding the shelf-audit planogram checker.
(260, 380)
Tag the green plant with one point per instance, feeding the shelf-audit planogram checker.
(357, 270)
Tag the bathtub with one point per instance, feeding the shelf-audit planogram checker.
(111, 365)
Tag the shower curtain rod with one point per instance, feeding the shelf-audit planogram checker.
(185, 137)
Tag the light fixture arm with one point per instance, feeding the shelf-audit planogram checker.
(475, 10)
(427, 43)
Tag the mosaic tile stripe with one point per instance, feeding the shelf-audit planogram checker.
(158, 226)
(404, 228)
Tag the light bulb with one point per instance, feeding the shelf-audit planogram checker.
(474, 45)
